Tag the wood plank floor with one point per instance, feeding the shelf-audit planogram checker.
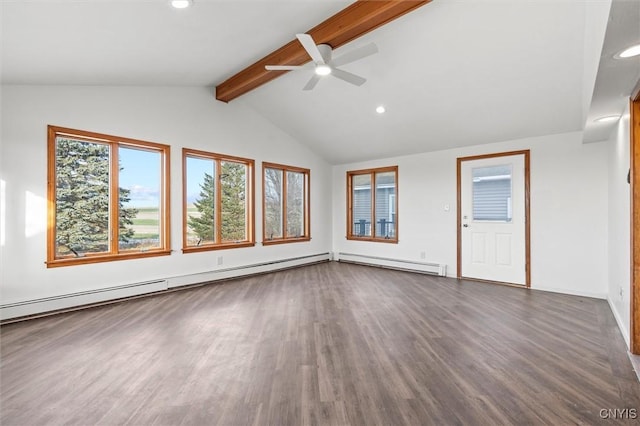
(325, 344)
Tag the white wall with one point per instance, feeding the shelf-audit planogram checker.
(569, 193)
(620, 225)
(180, 117)
(595, 28)
(568, 210)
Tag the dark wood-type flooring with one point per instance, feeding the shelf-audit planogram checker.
(324, 344)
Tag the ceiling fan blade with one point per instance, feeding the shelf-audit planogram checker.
(348, 77)
(354, 55)
(283, 67)
(310, 46)
(312, 82)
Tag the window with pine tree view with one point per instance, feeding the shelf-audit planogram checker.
(108, 198)
(372, 209)
(286, 204)
(218, 201)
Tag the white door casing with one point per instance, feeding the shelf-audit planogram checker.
(492, 237)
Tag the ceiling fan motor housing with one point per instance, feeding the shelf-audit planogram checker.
(325, 51)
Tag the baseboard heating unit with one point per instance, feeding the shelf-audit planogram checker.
(16, 311)
(385, 262)
(82, 298)
(246, 270)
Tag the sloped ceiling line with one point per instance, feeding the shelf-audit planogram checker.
(350, 23)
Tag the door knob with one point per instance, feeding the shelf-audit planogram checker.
(465, 225)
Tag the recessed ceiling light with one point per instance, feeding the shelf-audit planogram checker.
(323, 69)
(629, 52)
(607, 119)
(380, 109)
(181, 4)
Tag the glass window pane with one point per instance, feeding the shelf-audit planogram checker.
(82, 197)
(140, 202)
(361, 198)
(492, 193)
(295, 204)
(107, 197)
(273, 203)
(201, 200)
(233, 184)
(385, 204)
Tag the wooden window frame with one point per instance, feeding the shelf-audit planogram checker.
(114, 252)
(250, 199)
(307, 209)
(372, 173)
(634, 180)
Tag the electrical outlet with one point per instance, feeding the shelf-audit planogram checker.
(423, 255)
(621, 293)
(220, 260)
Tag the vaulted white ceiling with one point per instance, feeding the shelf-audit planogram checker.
(451, 73)
(145, 42)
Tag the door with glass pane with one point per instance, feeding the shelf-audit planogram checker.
(493, 218)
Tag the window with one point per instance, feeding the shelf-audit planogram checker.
(492, 193)
(217, 201)
(286, 204)
(372, 209)
(108, 198)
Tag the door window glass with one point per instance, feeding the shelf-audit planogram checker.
(492, 193)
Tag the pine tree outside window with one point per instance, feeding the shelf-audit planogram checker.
(108, 198)
(217, 201)
(285, 204)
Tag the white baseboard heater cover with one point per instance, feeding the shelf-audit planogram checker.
(385, 262)
(46, 305)
(71, 300)
(243, 270)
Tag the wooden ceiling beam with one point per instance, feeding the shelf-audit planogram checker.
(350, 23)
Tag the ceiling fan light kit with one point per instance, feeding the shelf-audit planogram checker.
(181, 4)
(321, 54)
(323, 69)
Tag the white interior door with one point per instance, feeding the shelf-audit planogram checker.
(493, 241)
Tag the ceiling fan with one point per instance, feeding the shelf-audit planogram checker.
(324, 64)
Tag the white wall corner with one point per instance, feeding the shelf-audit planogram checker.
(621, 325)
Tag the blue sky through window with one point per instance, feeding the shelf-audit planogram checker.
(196, 169)
(141, 175)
